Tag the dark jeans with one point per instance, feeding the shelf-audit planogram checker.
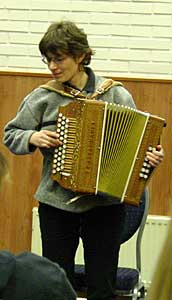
(100, 230)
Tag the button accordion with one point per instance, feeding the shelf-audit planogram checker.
(104, 149)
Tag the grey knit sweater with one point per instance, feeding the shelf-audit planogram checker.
(38, 111)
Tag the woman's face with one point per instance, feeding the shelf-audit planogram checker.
(64, 68)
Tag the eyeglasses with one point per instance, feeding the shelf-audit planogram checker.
(56, 60)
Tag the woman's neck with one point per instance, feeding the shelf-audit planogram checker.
(79, 81)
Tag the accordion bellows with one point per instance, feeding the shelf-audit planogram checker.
(104, 149)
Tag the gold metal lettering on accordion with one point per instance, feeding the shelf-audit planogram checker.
(106, 148)
(91, 137)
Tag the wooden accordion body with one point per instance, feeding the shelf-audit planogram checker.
(104, 148)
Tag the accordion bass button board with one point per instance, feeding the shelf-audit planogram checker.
(104, 149)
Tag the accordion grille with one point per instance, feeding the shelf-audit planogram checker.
(123, 132)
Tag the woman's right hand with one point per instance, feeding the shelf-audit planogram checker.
(45, 138)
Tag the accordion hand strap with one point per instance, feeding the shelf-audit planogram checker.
(68, 91)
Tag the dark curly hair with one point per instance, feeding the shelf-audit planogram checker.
(65, 37)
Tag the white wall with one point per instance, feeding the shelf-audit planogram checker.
(131, 38)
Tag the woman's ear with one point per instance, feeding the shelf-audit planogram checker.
(80, 58)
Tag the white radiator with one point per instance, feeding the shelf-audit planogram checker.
(152, 242)
(153, 239)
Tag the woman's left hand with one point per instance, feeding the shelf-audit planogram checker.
(156, 156)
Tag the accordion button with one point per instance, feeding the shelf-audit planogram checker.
(150, 148)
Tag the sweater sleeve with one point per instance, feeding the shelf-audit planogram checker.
(123, 97)
(18, 131)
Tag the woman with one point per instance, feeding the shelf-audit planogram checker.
(97, 220)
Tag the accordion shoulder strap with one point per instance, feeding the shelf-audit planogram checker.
(68, 91)
(57, 87)
(105, 86)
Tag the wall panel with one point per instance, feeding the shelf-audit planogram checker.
(17, 200)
